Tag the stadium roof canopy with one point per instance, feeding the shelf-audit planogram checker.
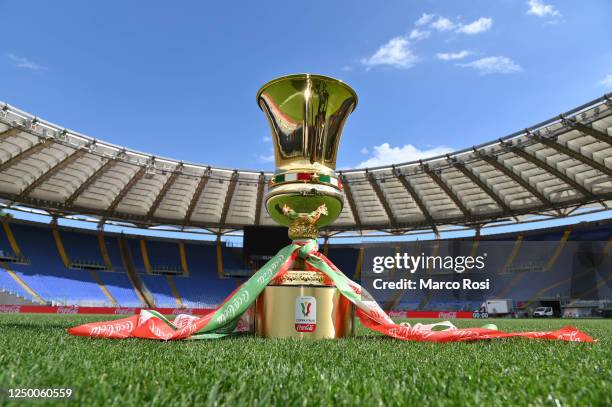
(551, 169)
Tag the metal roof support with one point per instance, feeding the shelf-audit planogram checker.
(437, 234)
(92, 178)
(33, 149)
(415, 197)
(124, 191)
(196, 196)
(13, 131)
(574, 154)
(261, 184)
(516, 178)
(70, 158)
(228, 198)
(577, 207)
(551, 169)
(164, 190)
(588, 130)
(351, 200)
(489, 191)
(381, 197)
(438, 180)
(39, 140)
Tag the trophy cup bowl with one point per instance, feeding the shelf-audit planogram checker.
(306, 114)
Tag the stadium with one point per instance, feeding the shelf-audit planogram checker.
(556, 169)
(93, 230)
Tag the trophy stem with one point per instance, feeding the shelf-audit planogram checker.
(304, 225)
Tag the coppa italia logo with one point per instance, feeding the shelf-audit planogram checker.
(305, 314)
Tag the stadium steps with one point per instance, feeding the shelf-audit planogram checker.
(518, 277)
(22, 283)
(107, 293)
(112, 249)
(163, 256)
(10, 236)
(142, 291)
(603, 282)
(47, 274)
(160, 289)
(104, 251)
(60, 246)
(203, 288)
(144, 251)
(59, 243)
(555, 256)
(550, 264)
(120, 286)
(183, 256)
(540, 293)
(175, 292)
(605, 279)
(145, 256)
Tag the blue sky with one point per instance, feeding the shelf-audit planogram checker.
(179, 79)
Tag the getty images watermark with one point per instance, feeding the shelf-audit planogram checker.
(404, 262)
(472, 270)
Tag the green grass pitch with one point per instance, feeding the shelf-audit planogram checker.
(36, 352)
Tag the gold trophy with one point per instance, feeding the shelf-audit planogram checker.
(306, 114)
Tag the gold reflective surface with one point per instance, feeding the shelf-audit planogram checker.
(302, 277)
(304, 198)
(275, 312)
(306, 114)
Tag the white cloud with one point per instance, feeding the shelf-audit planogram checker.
(347, 68)
(490, 65)
(452, 56)
(424, 19)
(541, 9)
(365, 151)
(384, 154)
(443, 24)
(417, 34)
(398, 52)
(476, 27)
(266, 158)
(395, 53)
(607, 81)
(21, 62)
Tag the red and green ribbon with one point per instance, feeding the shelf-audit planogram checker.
(226, 318)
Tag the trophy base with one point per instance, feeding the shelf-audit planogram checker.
(303, 312)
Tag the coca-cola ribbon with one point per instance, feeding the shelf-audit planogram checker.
(229, 316)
